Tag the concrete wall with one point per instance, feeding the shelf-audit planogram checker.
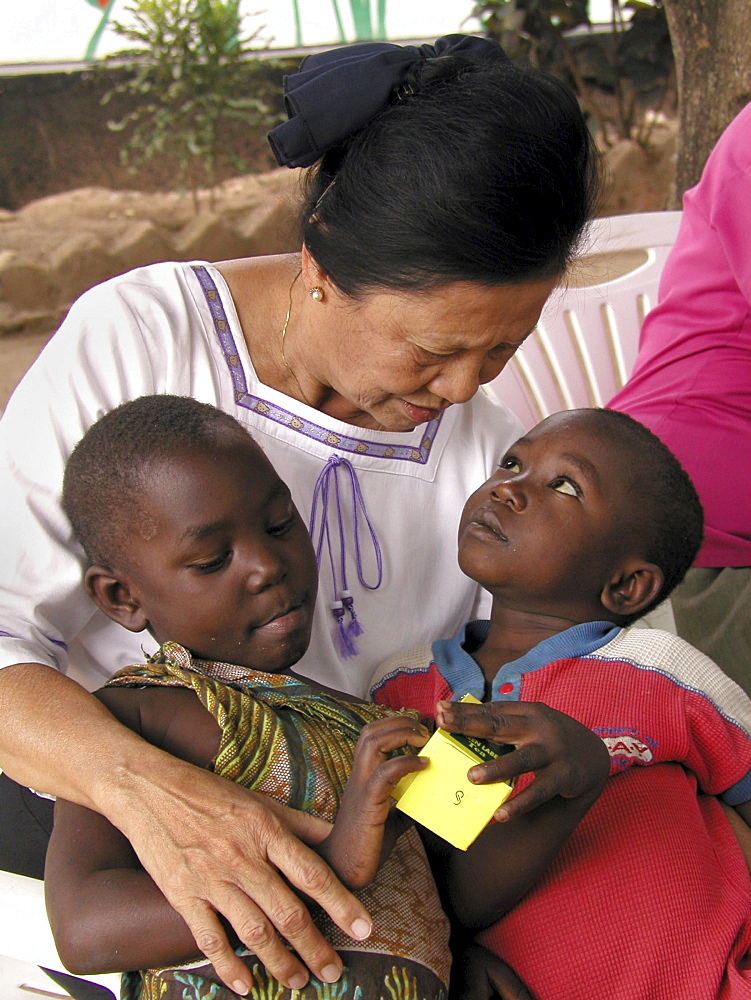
(54, 136)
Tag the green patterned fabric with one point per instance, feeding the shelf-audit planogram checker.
(283, 737)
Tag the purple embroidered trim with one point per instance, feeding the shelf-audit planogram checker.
(401, 452)
(55, 642)
(49, 638)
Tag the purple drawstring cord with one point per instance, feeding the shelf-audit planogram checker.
(344, 602)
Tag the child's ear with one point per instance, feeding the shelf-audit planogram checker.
(113, 596)
(636, 585)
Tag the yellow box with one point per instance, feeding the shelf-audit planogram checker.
(442, 798)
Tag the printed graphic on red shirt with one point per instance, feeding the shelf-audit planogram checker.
(628, 745)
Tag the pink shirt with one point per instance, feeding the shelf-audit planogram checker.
(691, 384)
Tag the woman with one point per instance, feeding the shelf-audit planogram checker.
(449, 193)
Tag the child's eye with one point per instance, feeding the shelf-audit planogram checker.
(564, 485)
(212, 565)
(511, 464)
(277, 530)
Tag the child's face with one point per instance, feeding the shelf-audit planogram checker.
(546, 532)
(222, 562)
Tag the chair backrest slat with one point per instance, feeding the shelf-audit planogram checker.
(614, 340)
(584, 347)
(585, 359)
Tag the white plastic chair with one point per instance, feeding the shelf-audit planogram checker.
(584, 347)
(26, 943)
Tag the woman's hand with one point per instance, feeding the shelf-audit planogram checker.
(210, 846)
(355, 845)
(568, 759)
(478, 974)
(213, 850)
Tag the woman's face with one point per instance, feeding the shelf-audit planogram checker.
(396, 359)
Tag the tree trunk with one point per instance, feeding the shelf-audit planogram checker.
(713, 73)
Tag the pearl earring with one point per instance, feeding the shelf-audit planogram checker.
(316, 293)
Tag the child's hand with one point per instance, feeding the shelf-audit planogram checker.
(568, 759)
(478, 974)
(354, 846)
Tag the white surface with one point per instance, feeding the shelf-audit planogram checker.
(44, 30)
(26, 942)
(59, 30)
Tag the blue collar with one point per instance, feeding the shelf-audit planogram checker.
(465, 676)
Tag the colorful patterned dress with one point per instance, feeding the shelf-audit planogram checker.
(281, 737)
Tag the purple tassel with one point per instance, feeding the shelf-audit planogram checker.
(354, 628)
(346, 647)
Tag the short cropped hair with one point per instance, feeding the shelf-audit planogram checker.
(486, 172)
(111, 463)
(667, 513)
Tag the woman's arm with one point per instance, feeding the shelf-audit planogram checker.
(210, 846)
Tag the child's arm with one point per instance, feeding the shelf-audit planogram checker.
(479, 974)
(743, 809)
(366, 827)
(106, 912)
(571, 766)
(480, 885)
(364, 832)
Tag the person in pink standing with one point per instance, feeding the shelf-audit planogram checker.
(692, 386)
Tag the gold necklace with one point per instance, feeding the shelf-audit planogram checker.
(284, 356)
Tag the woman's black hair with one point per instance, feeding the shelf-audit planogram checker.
(480, 171)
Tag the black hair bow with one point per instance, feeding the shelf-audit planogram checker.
(336, 92)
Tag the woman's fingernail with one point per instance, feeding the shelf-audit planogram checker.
(298, 982)
(240, 987)
(331, 973)
(361, 929)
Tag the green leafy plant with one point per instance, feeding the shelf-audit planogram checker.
(620, 70)
(195, 79)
